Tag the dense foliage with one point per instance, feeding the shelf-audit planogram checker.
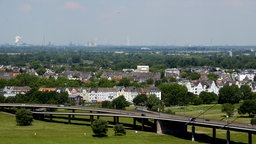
(229, 94)
(120, 102)
(140, 100)
(248, 106)
(229, 109)
(174, 94)
(208, 97)
(119, 130)
(24, 117)
(100, 128)
(153, 103)
(35, 96)
(158, 58)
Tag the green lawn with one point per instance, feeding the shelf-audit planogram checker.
(80, 131)
(214, 112)
(55, 133)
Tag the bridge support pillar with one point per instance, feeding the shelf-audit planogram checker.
(73, 116)
(116, 119)
(249, 138)
(98, 117)
(193, 133)
(214, 135)
(155, 124)
(142, 122)
(228, 136)
(69, 119)
(91, 118)
(50, 117)
(158, 127)
(134, 123)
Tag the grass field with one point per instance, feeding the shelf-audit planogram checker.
(215, 113)
(57, 133)
(42, 132)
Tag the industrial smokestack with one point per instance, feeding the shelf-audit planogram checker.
(17, 39)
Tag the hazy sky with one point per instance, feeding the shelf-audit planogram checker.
(142, 22)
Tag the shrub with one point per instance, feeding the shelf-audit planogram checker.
(119, 130)
(229, 109)
(24, 117)
(169, 111)
(100, 128)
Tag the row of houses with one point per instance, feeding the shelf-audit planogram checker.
(108, 94)
(196, 87)
(78, 95)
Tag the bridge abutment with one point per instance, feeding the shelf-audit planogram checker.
(170, 127)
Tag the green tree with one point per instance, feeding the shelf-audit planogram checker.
(100, 128)
(246, 92)
(228, 108)
(212, 76)
(2, 99)
(120, 102)
(150, 81)
(229, 94)
(248, 106)
(119, 130)
(194, 76)
(23, 117)
(104, 82)
(124, 82)
(140, 100)
(106, 104)
(153, 103)
(197, 100)
(174, 94)
(207, 97)
(10, 99)
(3, 83)
(172, 79)
(41, 71)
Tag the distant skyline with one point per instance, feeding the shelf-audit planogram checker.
(128, 22)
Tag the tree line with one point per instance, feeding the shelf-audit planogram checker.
(82, 59)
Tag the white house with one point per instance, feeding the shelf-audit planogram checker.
(213, 88)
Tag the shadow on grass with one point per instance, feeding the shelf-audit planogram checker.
(100, 136)
(87, 122)
(203, 138)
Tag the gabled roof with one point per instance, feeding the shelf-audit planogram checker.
(47, 89)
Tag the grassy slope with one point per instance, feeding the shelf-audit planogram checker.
(55, 133)
(214, 113)
(51, 133)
